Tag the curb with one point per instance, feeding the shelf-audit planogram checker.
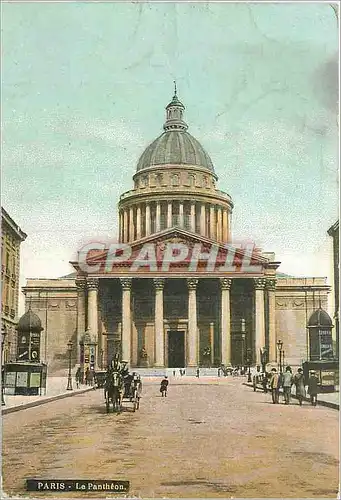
(320, 402)
(32, 404)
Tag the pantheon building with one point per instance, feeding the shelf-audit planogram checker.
(184, 314)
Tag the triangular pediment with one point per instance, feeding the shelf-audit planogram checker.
(176, 250)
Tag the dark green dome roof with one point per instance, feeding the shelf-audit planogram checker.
(175, 147)
(29, 322)
(320, 318)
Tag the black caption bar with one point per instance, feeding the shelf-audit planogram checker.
(64, 485)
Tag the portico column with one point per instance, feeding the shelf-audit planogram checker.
(181, 214)
(131, 224)
(158, 217)
(138, 222)
(92, 285)
(212, 222)
(192, 354)
(169, 214)
(212, 342)
(271, 288)
(193, 217)
(203, 220)
(225, 327)
(125, 227)
(81, 327)
(126, 319)
(259, 284)
(225, 231)
(159, 333)
(147, 219)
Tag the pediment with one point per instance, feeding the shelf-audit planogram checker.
(157, 248)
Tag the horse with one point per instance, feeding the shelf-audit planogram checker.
(113, 391)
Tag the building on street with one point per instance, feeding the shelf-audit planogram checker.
(11, 238)
(177, 312)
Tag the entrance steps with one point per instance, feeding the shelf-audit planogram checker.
(161, 372)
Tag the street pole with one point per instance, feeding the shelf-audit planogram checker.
(280, 345)
(69, 379)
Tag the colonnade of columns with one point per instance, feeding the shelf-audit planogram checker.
(262, 286)
(210, 220)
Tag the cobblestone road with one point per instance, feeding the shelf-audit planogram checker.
(218, 440)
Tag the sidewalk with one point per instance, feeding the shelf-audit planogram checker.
(55, 389)
(331, 400)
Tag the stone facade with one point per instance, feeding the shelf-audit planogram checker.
(11, 238)
(55, 302)
(186, 315)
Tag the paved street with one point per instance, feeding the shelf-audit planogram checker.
(204, 440)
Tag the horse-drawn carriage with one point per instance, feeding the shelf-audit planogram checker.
(122, 387)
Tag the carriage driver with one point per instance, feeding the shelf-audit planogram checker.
(115, 364)
(127, 377)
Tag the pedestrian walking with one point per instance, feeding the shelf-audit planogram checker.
(198, 372)
(274, 386)
(265, 381)
(173, 373)
(91, 376)
(313, 387)
(299, 383)
(78, 377)
(288, 380)
(164, 386)
(256, 377)
(219, 371)
(87, 376)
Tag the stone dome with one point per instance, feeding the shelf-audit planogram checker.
(320, 318)
(29, 322)
(175, 146)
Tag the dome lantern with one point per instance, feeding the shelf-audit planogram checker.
(174, 114)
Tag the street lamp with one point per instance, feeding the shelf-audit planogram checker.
(69, 379)
(280, 346)
(248, 354)
(3, 336)
(264, 353)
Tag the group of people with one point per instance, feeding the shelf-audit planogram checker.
(275, 381)
(88, 377)
(181, 372)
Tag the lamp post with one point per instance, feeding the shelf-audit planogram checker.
(264, 353)
(69, 378)
(248, 354)
(102, 352)
(280, 346)
(3, 336)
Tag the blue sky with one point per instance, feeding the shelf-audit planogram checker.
(84, 91)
